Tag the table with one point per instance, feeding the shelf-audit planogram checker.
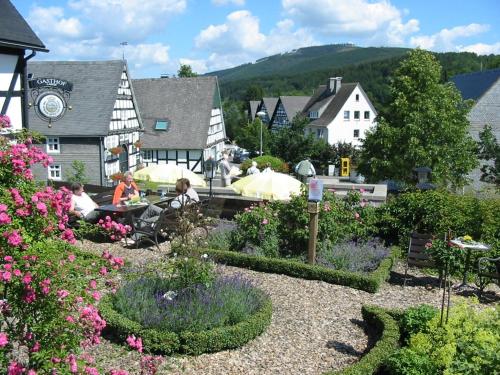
(468, 247)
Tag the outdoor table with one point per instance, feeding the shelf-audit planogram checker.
(468, 247)
(126, 211)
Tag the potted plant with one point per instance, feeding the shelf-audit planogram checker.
(116, 150)
(118, 176)
(138, 144)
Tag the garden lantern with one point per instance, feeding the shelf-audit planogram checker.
(423, 176)
(210, 169)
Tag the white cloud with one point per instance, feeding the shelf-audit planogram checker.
(445, 40)
(240, 40)
(197, 66)
(226, 2)
(481, 48)
(51, 22)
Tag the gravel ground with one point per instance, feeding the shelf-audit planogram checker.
(315, 326)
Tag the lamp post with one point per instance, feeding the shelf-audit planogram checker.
(423, 174)
(210, 167)
(261, 115)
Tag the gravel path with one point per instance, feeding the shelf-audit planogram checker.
(315, 326)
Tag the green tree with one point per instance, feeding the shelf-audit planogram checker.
(186, 71)
(234, 117)
(254, 92)
(426, 125)
(78, 174)
(489, 150)
(249, 137)
(291, 143)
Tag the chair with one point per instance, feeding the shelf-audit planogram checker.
(417, 255)
(488, 269)
(151, 230)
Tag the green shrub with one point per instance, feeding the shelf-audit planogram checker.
(415, 319)
(277, 164)
(468, 344)
(388, 331)
(369, 282)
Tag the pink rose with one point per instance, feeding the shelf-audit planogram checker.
(4, 339)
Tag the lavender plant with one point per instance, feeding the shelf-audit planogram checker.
(156, 303)
(352, 256)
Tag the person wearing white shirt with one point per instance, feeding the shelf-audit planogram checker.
(193, 195)
(253, 169)
(82, 206)
(268, 168)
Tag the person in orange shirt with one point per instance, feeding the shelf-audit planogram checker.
(126, 190)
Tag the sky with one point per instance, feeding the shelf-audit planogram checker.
(212, 35)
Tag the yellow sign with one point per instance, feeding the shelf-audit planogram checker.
(344, 167)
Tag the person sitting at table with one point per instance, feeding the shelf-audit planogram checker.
(182, 197)
(193, 195)
(82, 206)
(253, 169)
(126, 190)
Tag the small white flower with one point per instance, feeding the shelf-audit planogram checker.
(204, 256)
(185, 259)
(170, 295)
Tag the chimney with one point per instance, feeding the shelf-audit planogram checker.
(334, 84)
(164, 76)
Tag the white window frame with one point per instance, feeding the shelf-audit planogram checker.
(313, 114)
(357, 97)
(347, 115)
(54, 168)
(354, 133)
(359, 115)
(51, 142)
(364, 115)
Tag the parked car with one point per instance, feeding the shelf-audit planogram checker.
(240, 156)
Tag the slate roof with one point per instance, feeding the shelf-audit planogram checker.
(270, 104)
(254, 105)
(294, 105)
(95, 88)
(186, 102)
(15, 31)
(474, 85)
(335, 105)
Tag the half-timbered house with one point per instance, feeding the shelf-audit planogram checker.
(286, 109)
(183, 121)
(101, 127)
(253, 105)
(267, 105)
(16, 37)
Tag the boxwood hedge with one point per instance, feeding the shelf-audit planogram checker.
(194, 343)
(387, 328)
(369, 282)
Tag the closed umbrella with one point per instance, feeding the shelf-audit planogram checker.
(272, 186)
(169, 174)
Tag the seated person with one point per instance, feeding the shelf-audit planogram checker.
(82, 206)
(253, 169)
(150, 215)
(182, 198)
(193, 195)
(126, 190)
(268, 168)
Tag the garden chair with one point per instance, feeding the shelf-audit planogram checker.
(488, 270)
(153, 230)
(417, 255)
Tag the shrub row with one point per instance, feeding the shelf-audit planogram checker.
(192, 343)
(387, 329)
(369, 282)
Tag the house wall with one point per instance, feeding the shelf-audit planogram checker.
(340, 130)
(83, 149)
(191, 159)
(485, 111)
(15, 109)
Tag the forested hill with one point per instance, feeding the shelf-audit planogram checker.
(301, 71)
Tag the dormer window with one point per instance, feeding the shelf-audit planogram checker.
(162, 125)
(313, 114)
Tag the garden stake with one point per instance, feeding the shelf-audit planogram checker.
(313, 209)
(444, 291)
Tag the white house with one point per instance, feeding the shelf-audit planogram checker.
(16, 37)
(340, 112)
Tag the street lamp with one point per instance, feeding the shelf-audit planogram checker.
(423, 174)
(210, 168)
(261, 115)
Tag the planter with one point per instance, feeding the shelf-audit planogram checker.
(116, 150)
(116, 176)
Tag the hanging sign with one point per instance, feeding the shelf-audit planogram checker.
(315, 190)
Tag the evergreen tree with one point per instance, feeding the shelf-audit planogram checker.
(426, 125)
(489, 150)
(249, 137)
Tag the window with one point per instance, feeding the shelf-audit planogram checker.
(357, 97)
(320, 133)
(367, 115)
(162, 125)
(55, 172)
(347, 114)
(356, 115)
(313, 114)
(53, 146)
(356, 133)
(148, 155)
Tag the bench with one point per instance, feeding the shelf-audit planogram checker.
(488, 270)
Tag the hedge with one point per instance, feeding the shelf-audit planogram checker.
(369, 282)
(387, 329)
(194, 343)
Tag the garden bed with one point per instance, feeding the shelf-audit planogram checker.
(194, 343)
(369, 282)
